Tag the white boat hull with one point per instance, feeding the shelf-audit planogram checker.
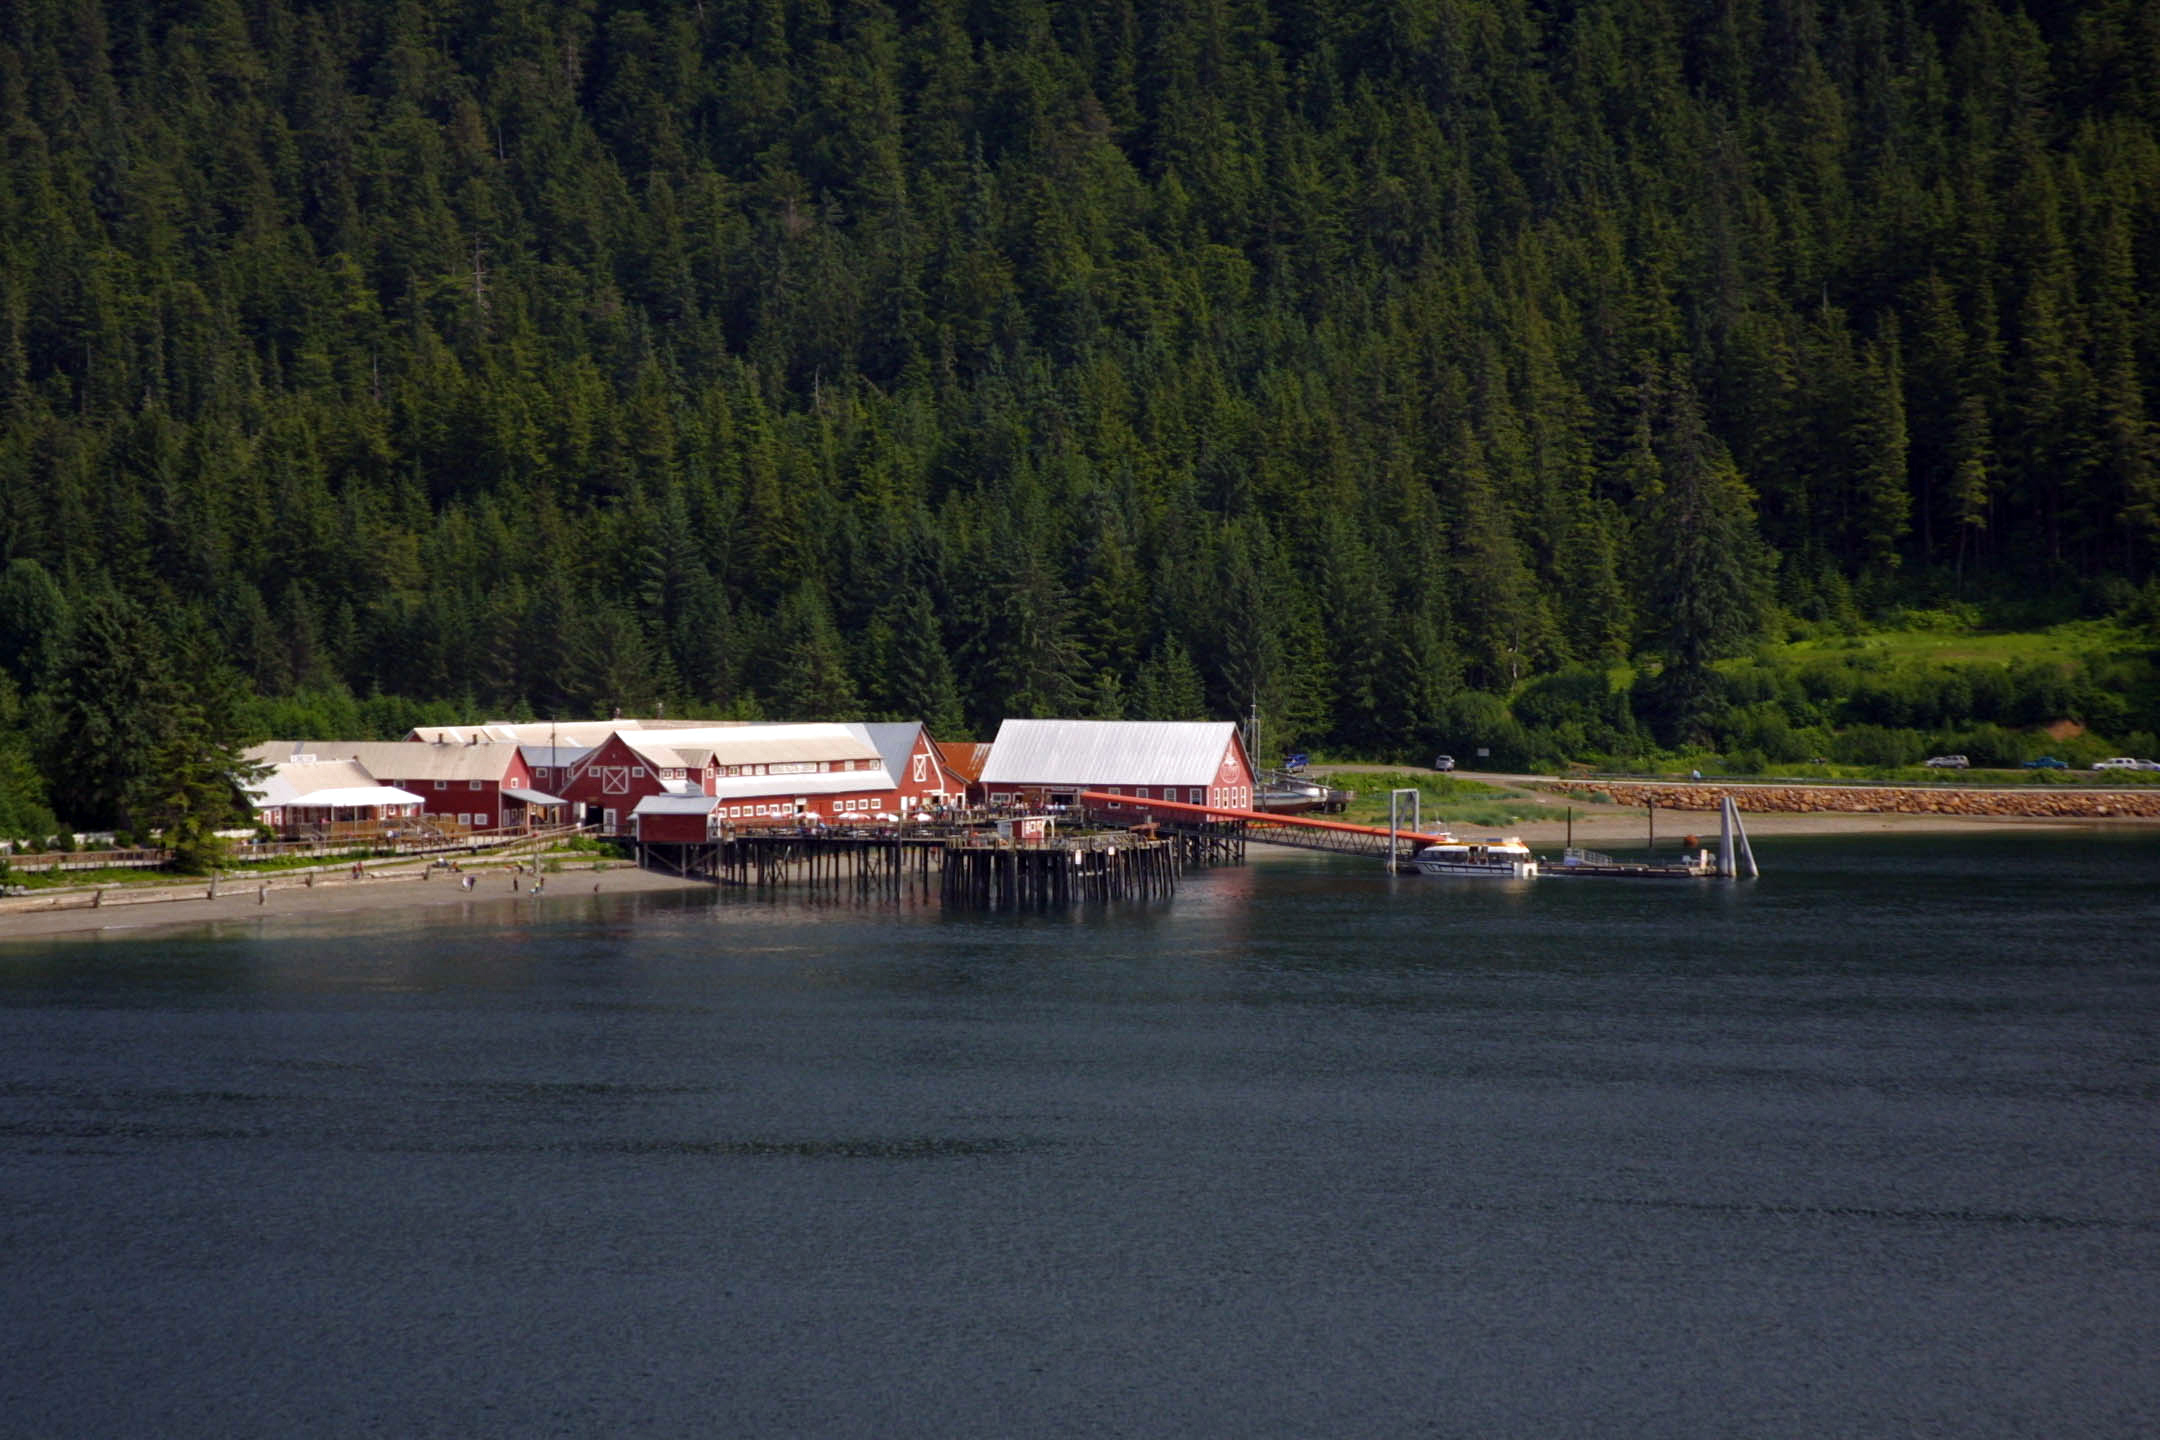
(1495, 859)
(1483, 869)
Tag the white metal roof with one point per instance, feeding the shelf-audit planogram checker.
(675, 805)
(1107, 752)
(530, 797)
(289, 782)
(765, 744)
(781, 787)
(894, 740)
(559, 732)
(550, 756)
(414, 760)
(662, 753)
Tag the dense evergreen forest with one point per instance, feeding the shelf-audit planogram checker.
(1410, 369)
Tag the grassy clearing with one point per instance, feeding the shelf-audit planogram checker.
(68, 879)
(1949, 643)
(1443, 798)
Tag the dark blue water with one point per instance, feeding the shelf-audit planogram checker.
(1865, 1148)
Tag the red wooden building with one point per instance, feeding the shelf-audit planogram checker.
(1047, 763)
(925, 780)
(485, 785)
(676, 819)
(764, 774)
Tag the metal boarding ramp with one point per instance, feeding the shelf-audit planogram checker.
(1263, 827)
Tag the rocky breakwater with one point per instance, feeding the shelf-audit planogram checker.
(2004, 802)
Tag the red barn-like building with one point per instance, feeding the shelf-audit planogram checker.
(765, 774)
(1037, 763)
(916, 763)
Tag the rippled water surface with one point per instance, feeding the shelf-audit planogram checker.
(1867, 1147)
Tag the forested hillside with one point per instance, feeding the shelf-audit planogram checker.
(833, 358)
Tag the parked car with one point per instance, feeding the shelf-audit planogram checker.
(2119, 762)
(1295, 762)
(1948, 762)
(2149, 764)
(1443, 762)
(2046, 762)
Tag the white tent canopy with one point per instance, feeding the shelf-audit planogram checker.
(355, 797)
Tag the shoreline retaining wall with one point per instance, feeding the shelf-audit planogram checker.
(1876, 799)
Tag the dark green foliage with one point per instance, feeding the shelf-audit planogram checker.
(108, 707)
(556, 357)
(23, 811)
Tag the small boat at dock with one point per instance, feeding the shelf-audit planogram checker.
(1286, 794)
(1495, 858)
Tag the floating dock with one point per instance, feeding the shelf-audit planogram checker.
(1734, 857)
(1595, 865)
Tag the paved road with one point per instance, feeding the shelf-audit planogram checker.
(1502, 777)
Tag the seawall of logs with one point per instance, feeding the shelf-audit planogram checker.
(1877, 800)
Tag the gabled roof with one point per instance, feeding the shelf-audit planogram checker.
(755, 744)
(290, 782)
(653, 752)
(550, 756)
(894, 740)
(675, 805)
(1108, 752)
(410, 760)
(963, 757)
(667, 755)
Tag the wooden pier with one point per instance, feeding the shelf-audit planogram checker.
(971, 871)
(986, 876)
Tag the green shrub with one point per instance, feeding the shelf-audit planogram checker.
(1473, 720)
(1876, 745)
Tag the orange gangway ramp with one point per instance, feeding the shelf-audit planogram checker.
(1265, 817)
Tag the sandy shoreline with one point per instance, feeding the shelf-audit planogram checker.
(388, 890)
